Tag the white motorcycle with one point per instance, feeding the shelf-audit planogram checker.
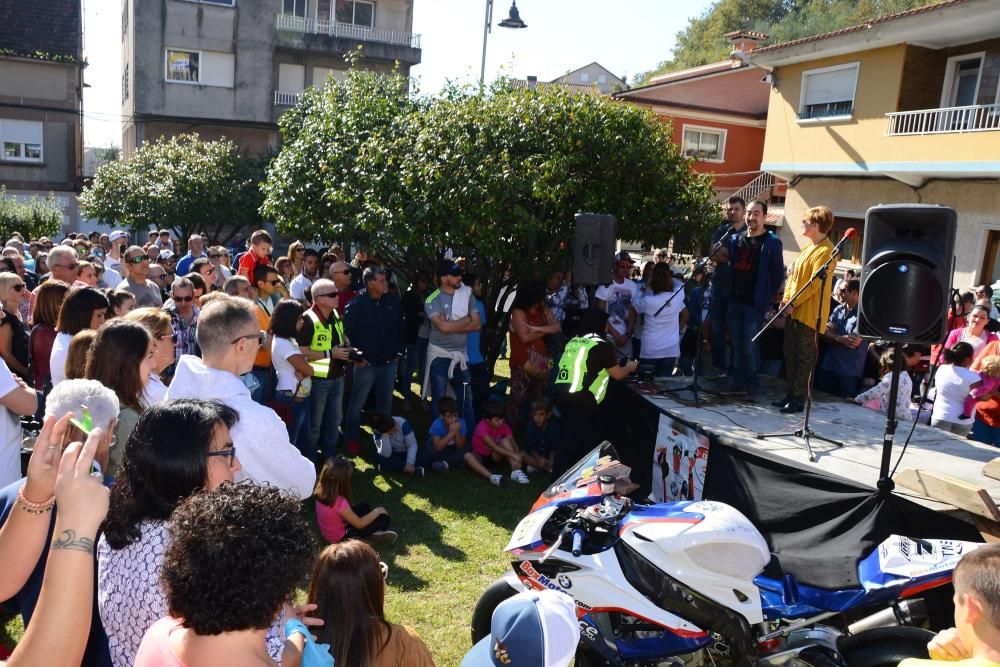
(683, 584)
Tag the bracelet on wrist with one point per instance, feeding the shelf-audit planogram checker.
(32, 507)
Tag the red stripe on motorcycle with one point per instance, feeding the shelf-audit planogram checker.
(920, 588)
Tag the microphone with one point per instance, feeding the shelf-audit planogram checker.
(849, 234)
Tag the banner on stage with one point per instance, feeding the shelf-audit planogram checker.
(680, 459)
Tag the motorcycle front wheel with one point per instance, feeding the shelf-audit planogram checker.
(482, 615)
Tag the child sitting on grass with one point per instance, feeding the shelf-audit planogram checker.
(542, 437)
(975, 639)
(337, 517)
(446, 447)
(493, 441)
(396, 446)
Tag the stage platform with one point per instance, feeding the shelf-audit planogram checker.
(938, 469)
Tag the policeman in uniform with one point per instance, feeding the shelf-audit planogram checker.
(586, 367)
(324, 345)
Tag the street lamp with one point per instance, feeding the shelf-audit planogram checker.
(512, 21)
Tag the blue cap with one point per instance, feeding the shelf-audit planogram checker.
(530, 629)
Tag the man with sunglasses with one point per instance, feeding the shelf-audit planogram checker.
(145, 291)
(616, 299)
(342, 277)
(229, 337)
(62, 264)
(267, 281)
(183, 317)
(323, 343)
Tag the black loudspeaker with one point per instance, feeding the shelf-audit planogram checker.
(907, 264)
(593, 248)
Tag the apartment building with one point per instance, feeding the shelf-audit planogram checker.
(902, 109)
(232, 67)
(41, 104)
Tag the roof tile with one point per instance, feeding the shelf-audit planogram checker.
(41, 28)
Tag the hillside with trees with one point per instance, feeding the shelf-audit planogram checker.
(702, 41)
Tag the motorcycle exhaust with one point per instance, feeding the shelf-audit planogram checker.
(907, 612)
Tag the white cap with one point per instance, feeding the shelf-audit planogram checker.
(117, 234)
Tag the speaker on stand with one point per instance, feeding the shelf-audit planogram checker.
(593, 248)
(908, 261)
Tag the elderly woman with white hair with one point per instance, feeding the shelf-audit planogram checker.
(93, 406)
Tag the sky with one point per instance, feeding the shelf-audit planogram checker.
(628, 37)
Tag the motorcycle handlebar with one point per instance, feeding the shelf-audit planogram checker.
(578, 536)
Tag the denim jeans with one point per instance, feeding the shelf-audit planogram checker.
(480, 387)
(382, 379)
(461, 383)
(983, 432)
(744, 323)
(299, 431)
(659, 367)
(325, 404)
(416, 354)
(718, 313)
(262, 394)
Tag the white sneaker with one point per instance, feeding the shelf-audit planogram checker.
(519, 477)
(496, 480)
(530, 469)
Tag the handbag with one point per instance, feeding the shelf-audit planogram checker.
(538, 364)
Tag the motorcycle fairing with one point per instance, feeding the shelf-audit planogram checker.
(599, 585)
(898, 568)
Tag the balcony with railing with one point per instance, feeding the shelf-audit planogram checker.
(973, 118)
(283, 99)
(309, 33)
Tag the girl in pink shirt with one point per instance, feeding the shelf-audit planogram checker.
(337, 517)
(493, 441)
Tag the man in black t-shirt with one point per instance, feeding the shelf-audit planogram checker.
(721, 288)
(755, 259)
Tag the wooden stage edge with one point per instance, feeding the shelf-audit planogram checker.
(939, 470)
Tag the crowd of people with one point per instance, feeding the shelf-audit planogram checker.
(214, 395)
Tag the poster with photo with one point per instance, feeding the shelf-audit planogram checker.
(680, 459)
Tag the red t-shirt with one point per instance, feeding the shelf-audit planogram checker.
(331, 525)
(485, 428)
(248, 262)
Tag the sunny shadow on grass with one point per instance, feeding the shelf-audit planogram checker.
(452, 530)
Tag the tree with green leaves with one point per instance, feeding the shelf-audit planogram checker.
(182, 183)
(703, 40)
(495, 174)
(32, 218)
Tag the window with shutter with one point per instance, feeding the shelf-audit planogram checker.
(828, 92)
(21, 140)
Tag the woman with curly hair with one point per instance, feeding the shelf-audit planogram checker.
(348, 588)
(234, 559)
(176, 450)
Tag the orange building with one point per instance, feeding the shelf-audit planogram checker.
(719, 114)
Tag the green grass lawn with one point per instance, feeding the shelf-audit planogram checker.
(452, 529)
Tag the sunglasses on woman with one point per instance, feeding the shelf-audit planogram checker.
(229, 452)
(18, 288)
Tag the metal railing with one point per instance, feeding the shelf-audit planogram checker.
(283, 99)
(292, 23)
(757, 187)
(973, 118)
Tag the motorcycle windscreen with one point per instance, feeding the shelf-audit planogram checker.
(599, 456)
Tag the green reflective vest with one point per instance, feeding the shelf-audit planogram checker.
(573, 367)
(323, 340)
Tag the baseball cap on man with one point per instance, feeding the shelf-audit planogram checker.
(531, 629)
(446, 267)
(623, 256)
(117, 234)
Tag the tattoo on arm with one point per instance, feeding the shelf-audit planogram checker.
(69, 540)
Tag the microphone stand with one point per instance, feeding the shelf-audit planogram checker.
(804, 431)
(694, 387)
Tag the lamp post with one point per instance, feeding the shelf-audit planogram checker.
(512, 21)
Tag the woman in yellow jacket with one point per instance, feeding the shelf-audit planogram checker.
(800, 332)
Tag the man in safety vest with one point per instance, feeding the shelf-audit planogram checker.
(586, 367)
(324, 345)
